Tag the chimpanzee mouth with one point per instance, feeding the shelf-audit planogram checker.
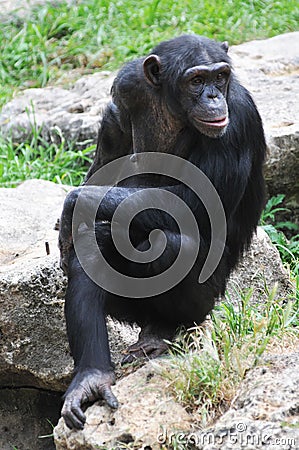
(215, 123)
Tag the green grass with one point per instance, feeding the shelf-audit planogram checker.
(59, 163)
(100, 34)
(288, 248)
(209, 365)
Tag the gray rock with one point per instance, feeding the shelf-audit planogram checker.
(265, 412)
(16, 6)
(145, 410)
(21, 8)
(33, 345)
(33, 349)
(35, 364)
(261, 270)
(269, 69)
(138, 419)
(73, 115)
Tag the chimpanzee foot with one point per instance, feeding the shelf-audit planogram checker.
(149, 348)
(151, 344)
(87, 386)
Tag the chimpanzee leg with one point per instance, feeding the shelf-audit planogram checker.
(187, 303)
(88, 339)
(160, 316)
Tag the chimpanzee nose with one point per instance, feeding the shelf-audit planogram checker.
(212, 95)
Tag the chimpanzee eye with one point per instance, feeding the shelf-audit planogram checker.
(220, 76)
(197, 80)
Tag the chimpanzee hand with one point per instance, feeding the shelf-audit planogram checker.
(87, 386)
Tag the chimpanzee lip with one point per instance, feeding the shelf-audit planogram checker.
(220, 122)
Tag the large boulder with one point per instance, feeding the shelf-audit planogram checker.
(33, 348)
(74, 114)
(264, 414)
(146, 409)
(260, 270)
(269, 69)
(16, 6)
(35, 362)
(33, 345)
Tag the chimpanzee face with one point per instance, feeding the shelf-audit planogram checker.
(203, 91)
(198, 91)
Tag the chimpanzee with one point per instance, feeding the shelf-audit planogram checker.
(182, 100)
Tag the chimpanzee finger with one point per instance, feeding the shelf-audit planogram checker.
(127, 359)
(131, 357)
(109, 397)
(73, 414)
(72, 421)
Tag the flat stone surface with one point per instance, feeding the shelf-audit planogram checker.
(145, 410)
(27, 219)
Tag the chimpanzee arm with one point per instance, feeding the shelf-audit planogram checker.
(87, 333)
(88, 209)
(114, 139)
(96, 203)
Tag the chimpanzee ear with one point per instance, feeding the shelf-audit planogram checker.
(224, 46)
(151, 69)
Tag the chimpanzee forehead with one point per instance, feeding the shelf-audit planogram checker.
(188, 46)
(189, 51)
(207, 70)
(200, 56)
